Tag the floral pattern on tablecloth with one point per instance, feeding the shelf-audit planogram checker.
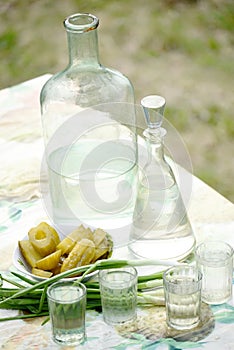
(20, 209)
(149, 332)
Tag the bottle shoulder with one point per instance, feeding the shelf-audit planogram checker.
(105, 83)
(82, 75)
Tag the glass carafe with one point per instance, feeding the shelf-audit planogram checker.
(88, 120)
(161, 228)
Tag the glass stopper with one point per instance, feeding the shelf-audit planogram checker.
(153, 106)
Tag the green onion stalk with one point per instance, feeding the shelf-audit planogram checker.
(29, 296)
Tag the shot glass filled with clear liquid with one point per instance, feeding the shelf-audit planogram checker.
(118, 288)
(215, 261)
(182, 286)
(67, 305)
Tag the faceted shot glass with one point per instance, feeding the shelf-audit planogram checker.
(182, 288)
(215, 261)
(67, 305)
(118, 288)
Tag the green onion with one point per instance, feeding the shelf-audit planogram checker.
(151, 284)
(156, 297)
(31, 298)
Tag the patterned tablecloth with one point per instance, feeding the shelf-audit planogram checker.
(21, 150)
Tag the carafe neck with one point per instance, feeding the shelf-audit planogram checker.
(155, 142)
(158, 171)
(82, 39)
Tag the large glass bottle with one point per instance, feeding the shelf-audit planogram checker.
(161, 228)
(89, 124)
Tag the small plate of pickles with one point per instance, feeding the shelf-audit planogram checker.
(42, 254)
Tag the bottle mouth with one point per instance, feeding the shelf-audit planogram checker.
(81, 22)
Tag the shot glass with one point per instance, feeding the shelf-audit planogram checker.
(118, 288)
(67, 305)
(182, 288)
(215, 261)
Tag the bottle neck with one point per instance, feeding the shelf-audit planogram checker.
(82, 39)
(158, 171)
(155, 142)
(83, 48)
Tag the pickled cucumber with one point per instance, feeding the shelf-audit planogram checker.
(44, 238)
(30, 255)
(50, 261)
(41, 273)
(81, 254)
(68, 243)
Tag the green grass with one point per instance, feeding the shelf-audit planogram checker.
(180, 49)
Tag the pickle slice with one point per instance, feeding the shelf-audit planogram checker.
(68, 243)
(30, 255)
(98, 236)
(41, 273)
(50, 261)
(43, 238)
(81, 254)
